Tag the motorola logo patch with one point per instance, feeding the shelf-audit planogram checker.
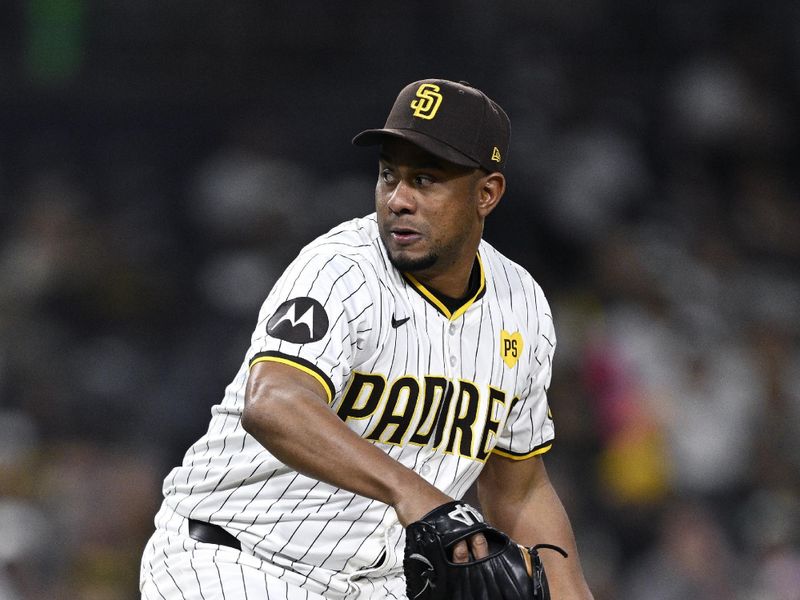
(299, 321)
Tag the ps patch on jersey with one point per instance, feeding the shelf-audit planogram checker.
(510, 347)
(299, 320)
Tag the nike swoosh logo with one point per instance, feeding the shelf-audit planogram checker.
(397, 322)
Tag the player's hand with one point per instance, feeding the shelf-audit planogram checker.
(473, 548)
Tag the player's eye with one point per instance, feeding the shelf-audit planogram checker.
(387, 176)
(423, 180)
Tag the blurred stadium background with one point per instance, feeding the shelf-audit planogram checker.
(160, 162)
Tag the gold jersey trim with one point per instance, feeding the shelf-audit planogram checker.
(513, 456)
(300, 364)
(438, 305)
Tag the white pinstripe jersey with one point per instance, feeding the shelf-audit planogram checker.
(437, 391)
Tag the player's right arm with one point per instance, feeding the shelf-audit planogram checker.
(308, 333)
(287, 411)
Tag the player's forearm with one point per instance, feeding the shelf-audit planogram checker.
(300, 430)
(539, 517)
(548, 523)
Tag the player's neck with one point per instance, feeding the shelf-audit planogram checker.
(453, 288)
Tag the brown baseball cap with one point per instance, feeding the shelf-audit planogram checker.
(451, 120)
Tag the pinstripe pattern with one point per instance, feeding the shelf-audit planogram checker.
(174, 566)
(434, 392)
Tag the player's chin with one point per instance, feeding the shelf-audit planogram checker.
(410, 262)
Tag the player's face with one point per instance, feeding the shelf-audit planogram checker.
(428, 212)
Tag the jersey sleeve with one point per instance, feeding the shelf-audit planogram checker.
(529, 428)
(316, 318)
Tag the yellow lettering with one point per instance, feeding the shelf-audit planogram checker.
(456, 416)
(354, 405)
(496, 398)
(435, 388)
(466, 411)
(404, 387)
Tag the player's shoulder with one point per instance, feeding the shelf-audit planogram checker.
(355, 237)
(506, 274)
(521, 299)
(513, 286)
(352, 246)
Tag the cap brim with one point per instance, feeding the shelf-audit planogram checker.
(375, 137)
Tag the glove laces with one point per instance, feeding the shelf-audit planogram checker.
(558, 549)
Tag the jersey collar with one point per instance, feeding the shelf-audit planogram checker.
(432, 298)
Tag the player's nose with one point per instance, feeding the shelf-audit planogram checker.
(401, 198)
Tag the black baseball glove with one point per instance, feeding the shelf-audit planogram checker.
(509, 572)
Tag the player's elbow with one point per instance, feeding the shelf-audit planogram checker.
(251, 422)
(262, 417)
(256, 411)
(269, 412)
(259, 402)
(278, 405)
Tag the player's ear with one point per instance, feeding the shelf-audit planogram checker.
(492, 186)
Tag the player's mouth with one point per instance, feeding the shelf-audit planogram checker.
(404, 236)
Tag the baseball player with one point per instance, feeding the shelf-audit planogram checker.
(399, 359)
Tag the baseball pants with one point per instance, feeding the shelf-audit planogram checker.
(175, 566)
